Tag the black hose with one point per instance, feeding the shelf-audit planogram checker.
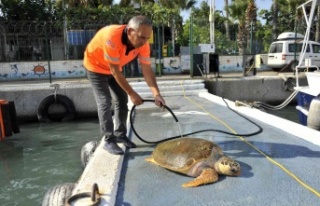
(179, 136)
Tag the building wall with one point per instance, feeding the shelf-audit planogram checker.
(42, 70)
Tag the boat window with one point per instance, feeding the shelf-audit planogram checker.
(316, 48)
(298, 46)
(276, 48)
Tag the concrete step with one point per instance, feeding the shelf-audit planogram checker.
(171, 88)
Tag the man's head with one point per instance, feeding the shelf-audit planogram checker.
(139, 30)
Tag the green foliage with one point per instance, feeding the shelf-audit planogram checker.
(80, 14)
(237, 10)
(161, 15)
(183, 37)
(263, 34)
(201, 31)
(25, 10)
(286, 15)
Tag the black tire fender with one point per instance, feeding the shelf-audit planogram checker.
(66, 102)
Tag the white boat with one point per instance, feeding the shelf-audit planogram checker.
(308, 97)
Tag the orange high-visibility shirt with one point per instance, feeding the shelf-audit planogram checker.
(109, 46)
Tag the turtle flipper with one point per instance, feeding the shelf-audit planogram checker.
(151, 160)
(207, 176)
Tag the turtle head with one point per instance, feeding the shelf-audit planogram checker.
(227, 166)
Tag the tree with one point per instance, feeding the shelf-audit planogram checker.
(236, 10)
(201, 32)
(283, 16)
(251, 21)
(275, 11)
(25, 10)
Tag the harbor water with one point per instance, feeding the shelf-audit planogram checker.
(44, 155)
(289, 113)
(40, 157)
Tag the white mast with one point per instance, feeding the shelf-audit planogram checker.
(211, 20)
(312, 4)
(210, 48)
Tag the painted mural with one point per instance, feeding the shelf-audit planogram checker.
(41, 70)
(66, 69)
(172, 65)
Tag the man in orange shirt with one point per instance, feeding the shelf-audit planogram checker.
(110, 49)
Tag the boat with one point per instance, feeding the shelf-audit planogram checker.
(308, 97)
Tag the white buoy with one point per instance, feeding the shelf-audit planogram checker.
(58, 195)
(313, 120)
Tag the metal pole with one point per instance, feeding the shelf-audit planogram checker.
(65, 41)
(173, 41)
(47, 51)
(211, 20)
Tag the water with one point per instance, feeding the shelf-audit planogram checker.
(289, 112)
(40, 157)
(44, 155)
(180, 130)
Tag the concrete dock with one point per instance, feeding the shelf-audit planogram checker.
(279, 166)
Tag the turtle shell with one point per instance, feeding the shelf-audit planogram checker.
(181, 155)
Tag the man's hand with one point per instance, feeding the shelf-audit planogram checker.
(135, 98)
(159, 101)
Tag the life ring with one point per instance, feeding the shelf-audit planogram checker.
(43, 109)
(87, 151)
(58, 195)
(93, 198)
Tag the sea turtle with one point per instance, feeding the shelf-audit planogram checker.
(194, 157)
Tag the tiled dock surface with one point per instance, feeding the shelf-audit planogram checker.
(278, 168)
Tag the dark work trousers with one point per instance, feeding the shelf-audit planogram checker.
(105, 88)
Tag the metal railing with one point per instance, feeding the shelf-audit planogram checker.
(45, 51)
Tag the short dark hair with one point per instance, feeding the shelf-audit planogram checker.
(136, 21)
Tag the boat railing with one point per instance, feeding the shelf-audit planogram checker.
(310, 5)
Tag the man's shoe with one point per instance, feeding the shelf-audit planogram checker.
(111, 146)
(125, 140)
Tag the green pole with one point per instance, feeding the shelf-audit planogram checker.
(191, 42)
(159, 52)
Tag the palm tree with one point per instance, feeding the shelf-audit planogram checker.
(251, 19)
(275, 12)
(237, 12)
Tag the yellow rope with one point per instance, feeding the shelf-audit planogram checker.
(311, 189)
